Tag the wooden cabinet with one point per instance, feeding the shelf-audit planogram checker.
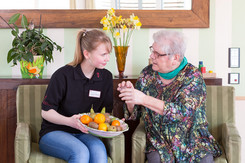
(8, 89)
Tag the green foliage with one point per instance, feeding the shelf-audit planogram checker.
(30, 42)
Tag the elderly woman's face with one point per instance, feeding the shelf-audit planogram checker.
(160, 62)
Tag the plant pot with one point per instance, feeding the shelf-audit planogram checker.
(30, 70)
(121, 54)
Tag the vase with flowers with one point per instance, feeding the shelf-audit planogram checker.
(121, 30)
(30, 47)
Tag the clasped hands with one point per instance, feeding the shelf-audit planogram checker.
(129, 94)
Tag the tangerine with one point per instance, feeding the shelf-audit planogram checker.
(85, 119)
(102, 126)
(99, 118)
(115, 123)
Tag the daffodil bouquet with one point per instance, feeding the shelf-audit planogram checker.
(121, 29)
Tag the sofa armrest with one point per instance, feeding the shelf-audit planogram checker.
(22, 143)
(231, 141)
(116, 148)
(138, 144)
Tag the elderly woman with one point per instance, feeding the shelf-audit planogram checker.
(170, 94)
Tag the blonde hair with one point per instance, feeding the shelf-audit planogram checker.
(89, 40)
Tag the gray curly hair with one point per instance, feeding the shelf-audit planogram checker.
(172, 42)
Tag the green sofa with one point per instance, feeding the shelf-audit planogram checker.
(221, 117)
(28, 103)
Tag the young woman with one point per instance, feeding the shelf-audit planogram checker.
(73, 89)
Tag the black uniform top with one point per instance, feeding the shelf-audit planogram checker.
(69, 92)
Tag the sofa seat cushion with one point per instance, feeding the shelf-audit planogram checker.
(37, 156)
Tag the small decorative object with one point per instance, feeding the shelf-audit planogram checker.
(209, 74)
(203, 70)
(234, 57)
(121, 31)
(200, 65)
(30, 47)
(234, 78)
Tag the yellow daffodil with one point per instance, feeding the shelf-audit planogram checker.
(116, 35)
(111, 11)
(138, 25)
(106, 29)
(121, 29)
(103, 20)
(124, 28)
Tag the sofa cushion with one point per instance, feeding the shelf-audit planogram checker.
(37, 156)
(28, 102)
(220, 108)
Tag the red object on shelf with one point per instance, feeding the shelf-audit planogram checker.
(203, 69)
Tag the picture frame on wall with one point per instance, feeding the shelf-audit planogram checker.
(234, 57)
(234, 78)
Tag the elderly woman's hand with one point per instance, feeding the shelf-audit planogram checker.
(129, 94)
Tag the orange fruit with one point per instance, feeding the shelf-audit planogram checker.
(102, 126)
(99, 118)
(85, 119)
(115, 123)
(91, 119)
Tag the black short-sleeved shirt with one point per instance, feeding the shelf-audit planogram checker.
(69, 92)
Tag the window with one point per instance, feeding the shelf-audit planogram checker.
(144, 4)
(35, 4)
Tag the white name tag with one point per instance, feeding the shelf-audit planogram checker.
(93, 93)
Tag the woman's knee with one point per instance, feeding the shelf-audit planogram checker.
(98, 152)
(153, 157)
(79, 154)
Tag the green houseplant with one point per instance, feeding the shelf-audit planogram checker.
(30, 47)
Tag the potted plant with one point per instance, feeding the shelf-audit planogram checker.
(30, 47)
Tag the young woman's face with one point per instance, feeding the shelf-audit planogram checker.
(100, 56)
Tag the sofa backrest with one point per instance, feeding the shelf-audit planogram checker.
(28, 104)
(220, 108)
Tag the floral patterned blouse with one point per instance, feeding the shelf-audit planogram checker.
(181, 133)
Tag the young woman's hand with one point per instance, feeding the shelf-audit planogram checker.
(74, 122)
(124, 84)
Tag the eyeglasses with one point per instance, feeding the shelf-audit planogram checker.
(156, 53)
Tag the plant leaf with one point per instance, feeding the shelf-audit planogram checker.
(14, 18)
(24, 35)
(14, 33)
(16, 28)
(24, 22)
(41, 30)
(44, 45)
(9, 57)
(28, 57)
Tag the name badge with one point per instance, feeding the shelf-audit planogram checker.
(93, 93)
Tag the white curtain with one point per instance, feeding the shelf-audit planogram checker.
(82, 4)
(72, 4)
(89, 4)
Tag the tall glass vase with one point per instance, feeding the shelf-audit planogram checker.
(121, 54)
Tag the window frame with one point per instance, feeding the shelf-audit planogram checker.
(197, 17)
